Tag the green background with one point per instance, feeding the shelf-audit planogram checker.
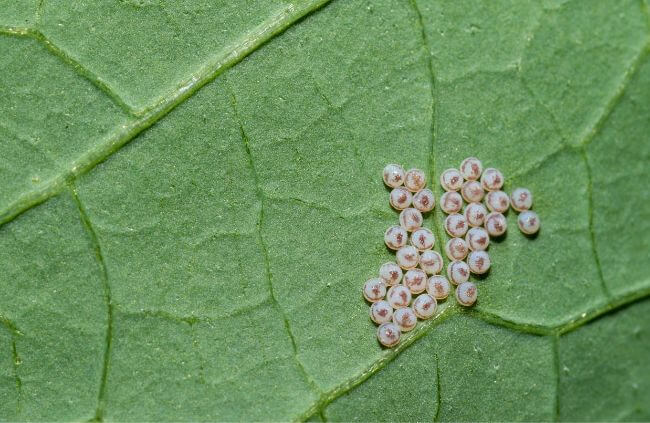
(192, 199)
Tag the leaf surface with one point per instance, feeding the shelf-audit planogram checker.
(192, 203)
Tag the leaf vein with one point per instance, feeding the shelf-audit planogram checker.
(19, 383)
(540, 162)
(264, 248)
(15, 31)
(435, 214)
(10, 325)
(147, 117)
(570, 325)
(592, 233)
(553, 118)
(106, 287)
(38, 15)
(66, 58)
(389, 355)
(451, 310)
(618, 95)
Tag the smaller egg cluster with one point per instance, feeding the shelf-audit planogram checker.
(470, 228)
(408, 288)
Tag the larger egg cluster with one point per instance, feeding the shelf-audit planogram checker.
(404, 292)
(408, 288)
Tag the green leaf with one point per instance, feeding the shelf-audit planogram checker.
(192, 201)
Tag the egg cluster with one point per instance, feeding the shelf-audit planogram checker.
(409, 287)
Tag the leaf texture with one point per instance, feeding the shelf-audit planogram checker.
(191, 204)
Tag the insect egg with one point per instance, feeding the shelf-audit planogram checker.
(374, 290)
(472, 191)
(521, 199)
(477, 239)
(495, 224)
(475, 214)
(388, 334)
(415, 280)
(471, 168)
(390, 273)
(451, 180)
(458, 272)
(381, 312)
(424, 200)
(497, 201)
(456, 249)
(400, 198)
(423, 239)
(528, 222)
(431, 262)
(492, 179)
(466, 294)
(451, 202)
(415, 180)
(478, 262)
(425, 306)
(405, 319)
(394, 175)
(438, 287)
(456, 225)
(410, 219)
(398, 296)
(395, 237)
(407, 257)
